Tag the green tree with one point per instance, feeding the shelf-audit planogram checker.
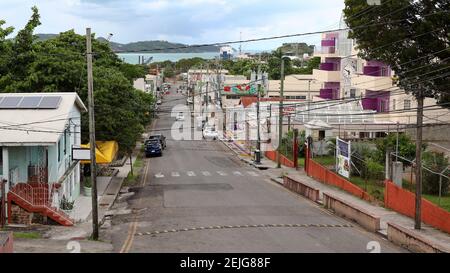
(59, 65)
(406, 148)
(274, 65)
(313, 63)
(412, 38)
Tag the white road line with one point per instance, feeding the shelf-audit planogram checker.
(190, 173)
(237, 173)
(206, 173)
(175, 174)
(252, 173)
(222, 173)
(159, 175)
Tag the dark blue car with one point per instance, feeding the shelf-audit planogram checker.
(153, 148)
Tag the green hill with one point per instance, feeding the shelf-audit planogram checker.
(291, 48)
(148, 46)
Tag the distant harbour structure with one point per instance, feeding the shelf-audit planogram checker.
(226, 53)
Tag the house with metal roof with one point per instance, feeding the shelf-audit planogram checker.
(37, 134)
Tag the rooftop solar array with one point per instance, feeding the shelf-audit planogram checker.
(32, 102)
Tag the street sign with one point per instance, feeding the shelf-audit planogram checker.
(79, 153)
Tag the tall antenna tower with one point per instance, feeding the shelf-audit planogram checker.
(240, 44)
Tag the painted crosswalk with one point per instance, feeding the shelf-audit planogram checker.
(220, 173)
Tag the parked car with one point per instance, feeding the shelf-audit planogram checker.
(189, 100)
(161, 138)
(158, 102)
(180, 117)
(209, 132)
(153, 148)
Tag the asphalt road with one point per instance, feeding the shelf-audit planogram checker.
(199, 197)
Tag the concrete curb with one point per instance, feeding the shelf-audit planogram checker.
(350, 211)
(410, 240)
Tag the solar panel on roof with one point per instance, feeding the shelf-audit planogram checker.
(10, 102)
(30, 102)
(50, 102)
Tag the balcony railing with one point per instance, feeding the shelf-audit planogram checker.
(326, 50)
(328, 42)
(376, 71)
(328, 93)
(329, 67)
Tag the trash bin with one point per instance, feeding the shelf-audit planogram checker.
(257, 156)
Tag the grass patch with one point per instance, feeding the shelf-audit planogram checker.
(26, 235)
(445, 201)
(322, 160)
(325, 160)
(133, 178)
(373, 187)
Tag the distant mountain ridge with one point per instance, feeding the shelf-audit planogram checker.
(147, 46)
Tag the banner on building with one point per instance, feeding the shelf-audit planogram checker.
(241, 89)
(343, 157)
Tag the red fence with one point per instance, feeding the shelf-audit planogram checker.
(403, 201)
(272, 155)
(318, 172)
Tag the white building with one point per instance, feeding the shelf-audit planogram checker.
(37, 133)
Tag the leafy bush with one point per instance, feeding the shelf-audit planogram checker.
(375, 170)
(65, 204)
(88, 182)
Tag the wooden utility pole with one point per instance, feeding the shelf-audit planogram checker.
(258, 90)
(280, 118)
(92, 134)
(207, 95)
(418, 214)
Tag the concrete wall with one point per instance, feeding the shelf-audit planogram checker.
(414, 242)
(352, 212)
(403, 202)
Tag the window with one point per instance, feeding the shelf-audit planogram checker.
(394, 102)
(321, 135)
(65, 142)
(59, 151)
(407, 104)
(352, 93)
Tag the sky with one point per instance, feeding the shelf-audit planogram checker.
(183, 21)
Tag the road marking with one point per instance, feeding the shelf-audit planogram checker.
(159, 175)
(206, 173)
(237, 173)
(252, 173)
(190, 173)
(222, 173)
(246, 226)
(133, 225)
(175, 174)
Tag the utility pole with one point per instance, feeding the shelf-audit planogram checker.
(280, 118)
(309, 99)
(418, 214)
(258, 90)
(396, 146)
(92, 134)
(207, 95)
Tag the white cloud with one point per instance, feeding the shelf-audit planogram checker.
(186, 21)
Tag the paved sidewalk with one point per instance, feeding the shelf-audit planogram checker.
(386, 215)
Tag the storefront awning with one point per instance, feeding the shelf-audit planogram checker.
(105, 151)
